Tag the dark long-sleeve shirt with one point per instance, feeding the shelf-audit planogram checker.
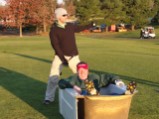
(63, 39)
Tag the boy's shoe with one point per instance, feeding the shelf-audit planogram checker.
(46, 102)
(131, 87)
(119, 83)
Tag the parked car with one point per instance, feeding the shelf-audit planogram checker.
(96, 29)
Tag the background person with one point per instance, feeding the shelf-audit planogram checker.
(141, 33)
(62, 36)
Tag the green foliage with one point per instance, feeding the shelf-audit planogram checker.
(88, 10)
(156, 17)
(139, 11)
(112, 11)
(135, 12)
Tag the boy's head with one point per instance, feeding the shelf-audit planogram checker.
(61, 15)
(82, 70)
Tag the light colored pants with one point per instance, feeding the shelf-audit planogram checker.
(56, 69)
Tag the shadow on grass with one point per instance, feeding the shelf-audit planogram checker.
(30, 91)
(31, 57)
(139, 81)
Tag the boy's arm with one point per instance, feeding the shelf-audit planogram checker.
(64, 84)
(67, 83)
(79, 28)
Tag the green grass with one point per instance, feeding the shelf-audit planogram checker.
(25, 65)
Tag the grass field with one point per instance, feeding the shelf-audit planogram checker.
(25, 64)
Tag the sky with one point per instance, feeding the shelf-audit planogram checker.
(59, 1)
(2, 2)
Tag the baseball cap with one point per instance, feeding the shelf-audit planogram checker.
(60, 12)
(82, 65)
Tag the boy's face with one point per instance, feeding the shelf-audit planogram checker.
(63, 18)
(83, 73)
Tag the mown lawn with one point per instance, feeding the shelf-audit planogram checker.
(25, 65)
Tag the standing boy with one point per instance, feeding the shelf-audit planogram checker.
(62, 36)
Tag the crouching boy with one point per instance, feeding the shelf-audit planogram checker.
(86, 83)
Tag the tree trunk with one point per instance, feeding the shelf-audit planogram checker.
(20, 30)
(37, 29)
(132, 27)
(44, 25)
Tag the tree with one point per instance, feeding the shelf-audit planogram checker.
(2, 9)
(20, 12)
(156, 6)
(43, 14)
(87, 10)
(46, 12)
(70, 7)
(38, 12)
(139, 11)
(112, 11)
